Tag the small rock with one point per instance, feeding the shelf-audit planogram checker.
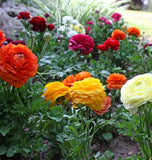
(130, 153)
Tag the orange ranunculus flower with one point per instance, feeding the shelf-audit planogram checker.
(82, 75)
(69, 80)
(17, 64)
(55, 90)
(2, 37)
(115, 81)
(89, 92)
(106, 105)
(133, 31)
(118, 34)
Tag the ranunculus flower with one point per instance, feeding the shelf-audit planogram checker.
(47, 15)
(90, 22)
(87, 30)
(56, 90)
(69, 80)
(18, 42)
(103, 19)
(38, 23)
(133, 31)
(24, 15)
(116, 16)
(89, 92)
(82, 43)
(102, 47)
(78, 28)
(115, 81)
(2, 37)
(67, 19)
(136, 92)
(112, 43)
(82, 75)
(106, 106)
(71, 33)
(118, 34)
(51, 27)
(17, 64)
(107, 22)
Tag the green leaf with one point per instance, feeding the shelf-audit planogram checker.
(107, 136)
(5, 129)
(3, 150)
(55, 113)
(12, 151)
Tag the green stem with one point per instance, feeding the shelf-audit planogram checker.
(148, 129)
(43, 51)
(140, 141)
(88, 143)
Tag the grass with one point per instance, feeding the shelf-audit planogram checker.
(140, 19)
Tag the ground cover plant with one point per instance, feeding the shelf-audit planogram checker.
(64, 84)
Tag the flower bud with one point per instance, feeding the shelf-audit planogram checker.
(47, 36)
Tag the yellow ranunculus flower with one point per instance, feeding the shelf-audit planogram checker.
(136, 92)
(55, 90)
(78, 27)
(89, 92)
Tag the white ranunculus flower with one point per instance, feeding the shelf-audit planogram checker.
(136, 92)
(75, 22)
(67, 19)
(71, 33)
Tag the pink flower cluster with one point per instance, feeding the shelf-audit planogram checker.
(116, 17)
(104, 20)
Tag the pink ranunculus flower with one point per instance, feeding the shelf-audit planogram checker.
(107, 22)
(87, 29)
(116, 16)
(82, 43)
(90, 22)
(103, 19)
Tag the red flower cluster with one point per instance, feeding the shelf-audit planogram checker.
(39, 24)
(109, 43)
(23, 15)
(68, 81)
(82, 43)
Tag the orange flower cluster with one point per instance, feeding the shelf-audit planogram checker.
(2, 37)
(68, 81)
(115, 81)
(118, 34)
(106, 105)
(133, 31)
(17, 64)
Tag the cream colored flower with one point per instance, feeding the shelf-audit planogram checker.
(89, 92)
(78, 27)
(136, 92)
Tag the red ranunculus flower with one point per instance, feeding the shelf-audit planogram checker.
(118, 34)
(51, 27)
(69, 80)
(106, 105)
(39, 24)
(87, 29)
(102, 47)
(24, 15)
(112, 43)
(2, 37)
(17, 64)
(116, 81)
(47, 15)
(82, 43)
(18, 42)
(82, 75)
(90, 22)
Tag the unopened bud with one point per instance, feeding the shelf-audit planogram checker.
(47, 36)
